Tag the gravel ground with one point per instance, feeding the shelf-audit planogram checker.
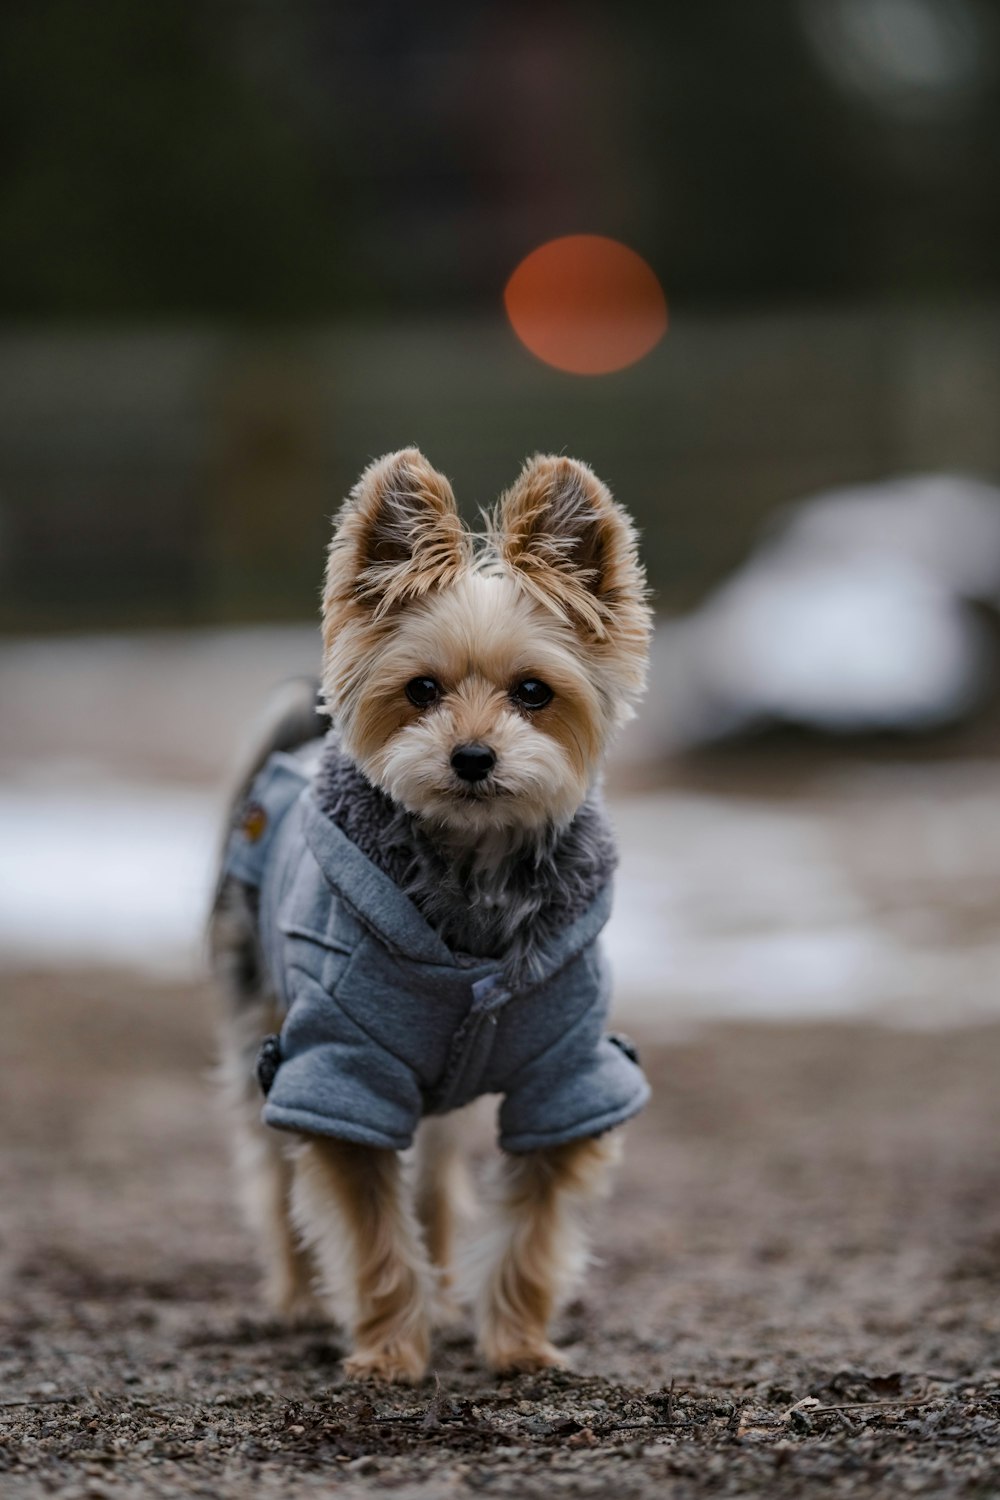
(797, 1286)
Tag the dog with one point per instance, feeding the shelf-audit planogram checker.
(408, 911)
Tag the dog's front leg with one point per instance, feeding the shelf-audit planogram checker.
(535, 1250)
(350, 1209)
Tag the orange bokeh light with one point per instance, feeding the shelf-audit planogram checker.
(586, 304)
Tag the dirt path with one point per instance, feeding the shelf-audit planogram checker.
(798, 1289)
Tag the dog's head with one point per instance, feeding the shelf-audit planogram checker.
(480, 689)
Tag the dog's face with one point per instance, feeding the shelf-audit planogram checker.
(480, 691)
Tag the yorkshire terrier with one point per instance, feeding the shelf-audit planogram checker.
(409, 907)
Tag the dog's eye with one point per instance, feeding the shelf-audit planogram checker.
(423, 691)
(531, 693)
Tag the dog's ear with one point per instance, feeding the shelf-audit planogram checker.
(397, 536)
(573, 547)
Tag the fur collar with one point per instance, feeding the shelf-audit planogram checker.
(509, 909)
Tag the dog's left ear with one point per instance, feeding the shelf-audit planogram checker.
(398, 536)
(573, 548)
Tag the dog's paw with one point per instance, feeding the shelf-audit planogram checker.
(396, 1363)
(514, 1350)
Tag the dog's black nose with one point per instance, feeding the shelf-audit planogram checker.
(473, 762)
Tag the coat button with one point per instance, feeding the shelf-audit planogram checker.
(268, 1062)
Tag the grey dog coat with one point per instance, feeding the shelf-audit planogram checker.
(384, 1023)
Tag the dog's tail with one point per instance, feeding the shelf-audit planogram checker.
(292, 717)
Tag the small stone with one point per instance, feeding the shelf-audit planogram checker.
(585, 1438)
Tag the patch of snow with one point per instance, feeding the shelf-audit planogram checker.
(113, 873)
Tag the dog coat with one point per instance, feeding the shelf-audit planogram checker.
(384, 1023)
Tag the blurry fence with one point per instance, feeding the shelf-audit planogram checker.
(188, 475)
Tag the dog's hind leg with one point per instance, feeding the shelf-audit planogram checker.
(534, 1251)
(442, 1197)
(351, 1209)
(247, 1014)
(260, 1155)
(264, 1183)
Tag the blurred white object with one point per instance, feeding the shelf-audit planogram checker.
(912, 58)
(852, 617)
(945, 525)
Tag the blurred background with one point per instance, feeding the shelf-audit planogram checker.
(246, 248)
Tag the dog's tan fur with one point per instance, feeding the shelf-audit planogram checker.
(557, 595)
(534, 1253)
(350, 1207)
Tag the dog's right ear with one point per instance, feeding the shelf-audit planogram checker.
(397, 537)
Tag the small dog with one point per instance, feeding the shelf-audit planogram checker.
(414, 900)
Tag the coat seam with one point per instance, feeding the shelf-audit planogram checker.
(331, 996)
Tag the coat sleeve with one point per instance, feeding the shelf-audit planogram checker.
(334, 1079)
(583, 1084)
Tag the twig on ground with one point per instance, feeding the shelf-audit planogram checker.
(819, 1411)
(809, 1405)
(635, 1426)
